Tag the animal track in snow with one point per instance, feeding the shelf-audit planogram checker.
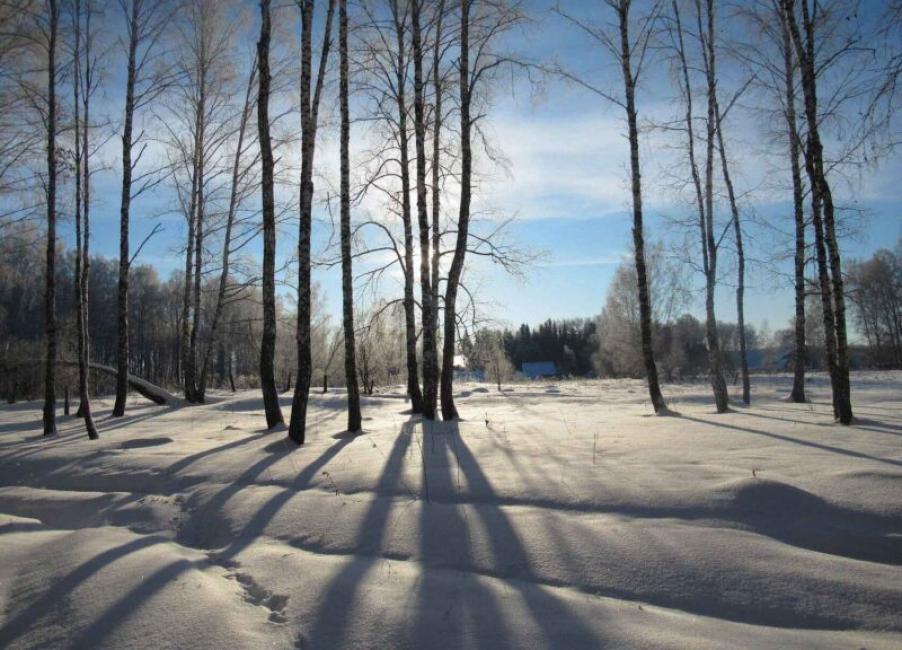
(262, 597)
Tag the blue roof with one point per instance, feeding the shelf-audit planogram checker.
(535, 369)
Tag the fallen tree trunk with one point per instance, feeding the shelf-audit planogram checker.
(151, 391)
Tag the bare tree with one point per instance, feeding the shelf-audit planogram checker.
(399, 19)
(719, 116)
(823, 211)
(773, 70)
(238, 189)
(310, 101)
(799, 357)
(438, 88)
(51, 33)
(482, 23)
(146, 25)
(630, 53)
(704, 190)
(268, 341)
(347, 280)
(22, 138)
(83, 87)
(428, 300)
(875, 288)
(201, 124)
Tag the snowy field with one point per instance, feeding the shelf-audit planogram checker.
(557, 515)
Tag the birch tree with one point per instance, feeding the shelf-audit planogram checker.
(311, 93)
(50, 29)
(629, 51)
(146, 22)
(347, 279)
(267, 164)
(84, 84)
(710, 239)
(482, 23)
(802, 30)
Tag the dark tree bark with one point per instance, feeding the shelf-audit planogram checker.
(125, 204)
(427, 291)
(410, 327)
(199, 214)
(645, 318)
(187, 290)
(825, 221)
(436, 156)
(355, 421)
(49, 418)
(268, 341)
(449, 410)
(800, 357)
(309, 123)
(196, 214)
(82, 82)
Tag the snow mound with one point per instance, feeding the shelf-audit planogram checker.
(541, 519)
(770, 498)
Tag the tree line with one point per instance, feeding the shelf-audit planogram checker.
(235, 136)
(211, 123)
(827, 84)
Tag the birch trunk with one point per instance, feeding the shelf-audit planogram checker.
(427, 295)
(268, 341)
(645, 318)
(49, 417)
(125, 205)
(309, 122)
(355, 420)
(410, 328)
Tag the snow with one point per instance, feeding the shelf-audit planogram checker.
(556, 515)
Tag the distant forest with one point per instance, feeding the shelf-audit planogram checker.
(610, 346)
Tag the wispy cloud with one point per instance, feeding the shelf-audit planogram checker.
(609, 260)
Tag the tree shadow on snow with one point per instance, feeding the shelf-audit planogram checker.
(62, 588)
(252, 404)
(336, 604)
(797, 441)
(557, 624)
(800, 518)
(99, 629)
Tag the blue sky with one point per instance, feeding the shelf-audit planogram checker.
(565, 183)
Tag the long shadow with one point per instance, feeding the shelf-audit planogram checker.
(336, 604)
(858, 423)
(59, 589)
(105, 425)
(777, 418)
(99, 629)
(796, 441)
(877, 426)
(268, 510)
(25, 448)
(469, 610)
(21, 427)
(187, 461)
(249, 404)
(508, 550)
(218, 501)
(94, 634)
(782, 512)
